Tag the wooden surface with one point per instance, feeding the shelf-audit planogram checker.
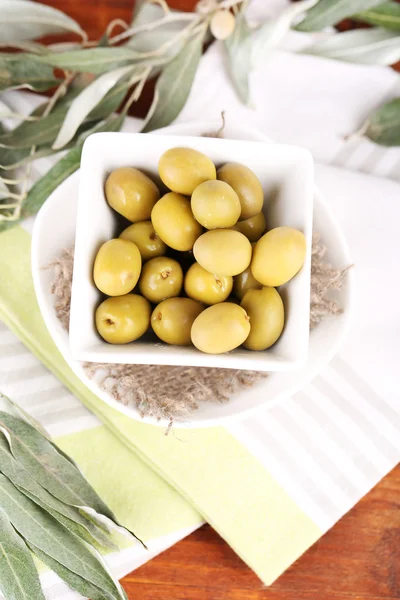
(359, 559)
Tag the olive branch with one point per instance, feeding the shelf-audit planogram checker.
(92, 80)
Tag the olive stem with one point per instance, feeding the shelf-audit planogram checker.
(153, 25)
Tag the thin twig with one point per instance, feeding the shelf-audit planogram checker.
(134, 97)
(113, 24)
(163, 5)
(153, 25)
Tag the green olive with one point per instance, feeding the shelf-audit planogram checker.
(183, 169)
(172, 320)
(161, 278)
(223, 251)
(244, 282)
(123, 319)
(174, 222)
(131, 193)
(117, 267)
(267, 317)
(146, 239)
(220, 328)
(247, 186)
(215, 205)
(206, 287)
(252, 228)
(278, 256)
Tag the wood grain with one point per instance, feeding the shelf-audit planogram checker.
(359, 559)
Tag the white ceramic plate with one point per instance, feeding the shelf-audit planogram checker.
(55, 229)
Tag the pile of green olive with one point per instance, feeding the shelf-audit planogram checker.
(214, 289)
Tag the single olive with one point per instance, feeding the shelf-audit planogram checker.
(247, 186)
(117, 267)
(220, 328)
(223, 251)
(146, 239)
(278, 256)
(206, 287)
(244, 282)
(173, 318)
(267, 317)
(131, 193)
(215, 205)
(174, 222)
(252, 228)
(123, 319)
(161, 278)
(183, 169)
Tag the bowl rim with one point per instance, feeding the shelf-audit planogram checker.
(76, 366)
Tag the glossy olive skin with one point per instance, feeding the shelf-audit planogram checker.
(247, 186)
(278, 256)
(161, 278)
(173, 318)
(223, 251)
(117, 267)
(244, 282)
(215, 205)
(220, 328)
(206, 287)
(267, 317)
(183, 169)
(173, 220)
(123, 319)
(131, 193)
(252, 228)
(146, 239)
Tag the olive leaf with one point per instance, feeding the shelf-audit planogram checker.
(42, 530)
(19, 579)
(174, 84)
(83, 587)
(383, 125)
(47, 466)
(329, 12)
(87, 100)
(25, 20)
(4, 191)
(151, 41)
(67, 165)
(385, 15)
(239, 49)
(5, 111)
(93, 60)
(22, 70)
(366, 46)
(268, 36)
(65, 514)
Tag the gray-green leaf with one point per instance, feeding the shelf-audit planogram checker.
(366, 46)
(67, 165)
(24, 20)
(19, 579)
(8, 405)
(39, 528)
(72, 579)
(383, 125)
(268, 36)
(93, 60)
(47, 466)
(65, 514)
(385, 15)
(239, 49)
(22, 70)
(329, 12)
(174, 84)
(87, 100)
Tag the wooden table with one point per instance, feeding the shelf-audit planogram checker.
(358, 559)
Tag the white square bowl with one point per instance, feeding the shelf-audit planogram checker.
(286, 175)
